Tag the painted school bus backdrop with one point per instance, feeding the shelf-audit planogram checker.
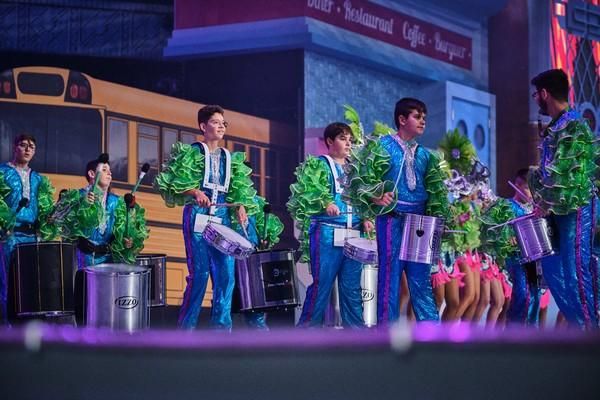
(75, 117)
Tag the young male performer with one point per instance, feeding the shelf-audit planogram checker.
(106, 229)
(200, 176)
(563, 189)
(25, 203)
(525, 300)
(389, 177)
(317, 207)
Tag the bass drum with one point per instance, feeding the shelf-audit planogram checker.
(158, 277)
(41, 279)
(265, 281)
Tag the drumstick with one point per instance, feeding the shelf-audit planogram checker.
(453, 231)
(226, 204)
(520, 192)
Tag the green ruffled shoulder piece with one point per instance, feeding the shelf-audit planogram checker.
(381, 129)
(458, 151)
(48, 231)
(274, 225)
(354, 123)
(132, 226)
(365, 171)
(311, 194)
(7, 216)
(572, 173)
(498, 242)
(78, 217)
(241, 187)
(183, 172)
(464, 218)
(437, 202)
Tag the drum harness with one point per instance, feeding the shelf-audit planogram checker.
(338, 189)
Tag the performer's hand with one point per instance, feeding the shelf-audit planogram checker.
(332, 210)
(201, 198)
(242, 216)
(513, 241)
(91, 197)
(128, 243)
(368, 226)
(385, 200)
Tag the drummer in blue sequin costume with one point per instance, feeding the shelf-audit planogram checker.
(525, 300)
(93, 247)
(563, 188)
(104, 228)
(388, 177)
(317, 207)
(21, 220)
(198, 176)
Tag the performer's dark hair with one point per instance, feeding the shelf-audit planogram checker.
(206, 112)
(407, 105)
(91, 166)
(22, 137)
(334, 129)
(522, 174)
(555, 81)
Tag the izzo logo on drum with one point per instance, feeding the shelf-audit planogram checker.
(367, 295)
(126, 302)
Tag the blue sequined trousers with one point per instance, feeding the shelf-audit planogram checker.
(100, 238)
(328, 262)
(570, 274)
(27, 215)
(525, 300)
(389, 233)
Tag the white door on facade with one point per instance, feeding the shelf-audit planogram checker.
(473, 120)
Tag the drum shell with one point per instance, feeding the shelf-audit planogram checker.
(534, 237)
(421, 239)
(158, 277)
(368, 283)
(117, 297)
(266, 281)
(41, 279)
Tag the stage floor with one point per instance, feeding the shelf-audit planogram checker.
(413, 362)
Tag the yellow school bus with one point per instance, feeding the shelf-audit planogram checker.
(75, 117)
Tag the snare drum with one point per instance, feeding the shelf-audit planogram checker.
(421, 239)
(116, 296)
(227, 241)
(41, 279)
(534, 236)
(361, 250)
(158, 277)
(265, 281)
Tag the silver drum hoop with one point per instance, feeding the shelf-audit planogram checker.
(227, 241)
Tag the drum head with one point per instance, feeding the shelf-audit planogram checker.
(231, 235)
(363, 243)
(118, 269)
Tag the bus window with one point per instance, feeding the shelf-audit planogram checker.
(148, 149)
(169, 137)
(255, 165)
(67, 137)
(188, 137)
(117, 148)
